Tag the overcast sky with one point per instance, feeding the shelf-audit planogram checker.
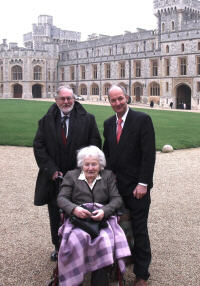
(109, 17)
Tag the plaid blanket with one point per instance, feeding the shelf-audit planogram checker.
(80, 254)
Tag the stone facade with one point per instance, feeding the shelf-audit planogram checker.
(162, 65)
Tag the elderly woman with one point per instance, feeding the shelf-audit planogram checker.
(79, 253)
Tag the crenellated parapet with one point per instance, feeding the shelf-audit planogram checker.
(163, 6)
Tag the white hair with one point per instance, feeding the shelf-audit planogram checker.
(64, 87)
(91, 151)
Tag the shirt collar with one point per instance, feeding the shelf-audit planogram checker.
(124, 116)
(62, 114)
(83, 178)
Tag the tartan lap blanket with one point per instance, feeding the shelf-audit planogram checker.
(79, 254)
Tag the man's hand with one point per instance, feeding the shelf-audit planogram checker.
(81, 212)
(140, 191)
(97, 215)
(56, 174)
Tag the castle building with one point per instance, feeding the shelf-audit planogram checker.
(32, 71)
(162, 65)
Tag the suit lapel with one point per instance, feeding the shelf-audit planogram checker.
(55, 127)
(71, 128)
(126, 129)
(113, 131)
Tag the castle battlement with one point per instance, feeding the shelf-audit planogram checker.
(161, 6)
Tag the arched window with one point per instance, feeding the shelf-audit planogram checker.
(173, 26)
(73, 87)
(16, 73)
(83, 89)
(182, 47)
(138, 91)
(155, 89)
(37, 73)
(106, 88)
(167, 49)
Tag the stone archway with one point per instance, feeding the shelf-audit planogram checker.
(37, 91)
(17, 91)
(83, 89)
(183, 97)
(73, 87)
(138, 91)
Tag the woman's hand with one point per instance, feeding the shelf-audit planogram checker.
(98, 215)
(81, 212)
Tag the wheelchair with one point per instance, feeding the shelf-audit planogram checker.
(115, 276)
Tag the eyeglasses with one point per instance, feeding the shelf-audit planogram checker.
(68, 98)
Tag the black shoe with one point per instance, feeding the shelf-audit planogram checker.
(54, 255)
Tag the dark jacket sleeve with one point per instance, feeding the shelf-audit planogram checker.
(64, 199)
(105, 146)
(148, 151)
(43, 159)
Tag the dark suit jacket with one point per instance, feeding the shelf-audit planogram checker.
(51, 154)
(133, 158)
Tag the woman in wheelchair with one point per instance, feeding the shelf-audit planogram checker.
(92, 186)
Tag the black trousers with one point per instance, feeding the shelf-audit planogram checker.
(99, 277)
(54, 217)
(139, 210)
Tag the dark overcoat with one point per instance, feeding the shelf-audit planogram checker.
(52, 155)
(133, 158)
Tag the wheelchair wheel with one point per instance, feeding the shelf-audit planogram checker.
(121, 281)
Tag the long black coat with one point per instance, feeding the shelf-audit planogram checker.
(52, 155)
(133, 158)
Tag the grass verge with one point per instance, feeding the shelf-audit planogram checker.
(19, 120)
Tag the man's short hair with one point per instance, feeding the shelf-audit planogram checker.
(117, 85)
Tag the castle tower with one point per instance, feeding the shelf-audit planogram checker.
(176, 15)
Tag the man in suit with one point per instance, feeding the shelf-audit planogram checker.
(129, 148)
(64, 129)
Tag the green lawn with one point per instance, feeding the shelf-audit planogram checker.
(18, 123)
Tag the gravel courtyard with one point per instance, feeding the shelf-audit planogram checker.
(174, 221)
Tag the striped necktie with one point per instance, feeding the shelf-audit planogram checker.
(64, 128)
